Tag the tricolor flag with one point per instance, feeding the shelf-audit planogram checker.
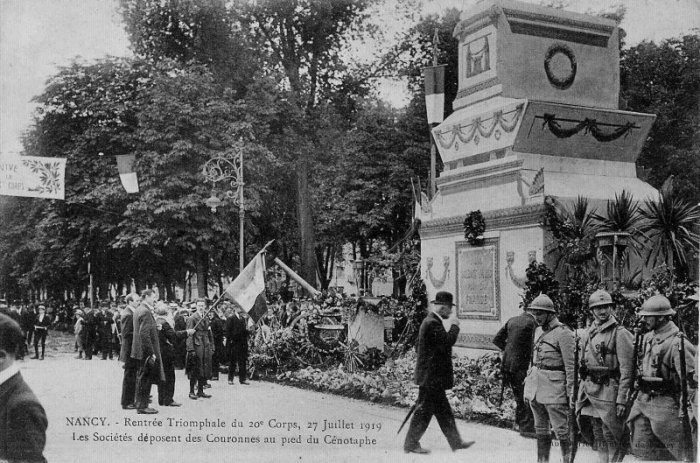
(434, 78)
(248, 289)
(125, 164)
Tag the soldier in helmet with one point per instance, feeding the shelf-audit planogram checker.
(657, 429)
(549, 385)
(606, 375)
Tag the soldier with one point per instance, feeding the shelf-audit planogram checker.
(654, 419)
(549, 385)
(90, 327)
(606, 376)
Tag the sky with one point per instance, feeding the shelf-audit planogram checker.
(38, 36)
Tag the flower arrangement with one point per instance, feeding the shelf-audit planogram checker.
(474, 228)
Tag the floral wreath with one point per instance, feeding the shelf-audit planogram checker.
(561, 84)
(474, 227)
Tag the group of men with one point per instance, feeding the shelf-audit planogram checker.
(34, 321)
(630, 388)
(150, 336)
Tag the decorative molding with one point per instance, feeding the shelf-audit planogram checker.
(533, 16)
(476, 341)
(537, 186)
(500, 219)
(438, 283)
(470, 90)
(491, 246)
(476, 22)
(518, 281)
(476, 159)
(479, 172)
(507, 121)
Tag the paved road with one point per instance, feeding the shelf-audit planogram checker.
(82, 399)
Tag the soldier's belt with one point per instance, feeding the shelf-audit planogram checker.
(599, 375)
(548, 368)
(657, 386)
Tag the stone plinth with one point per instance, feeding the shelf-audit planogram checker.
(368, 329)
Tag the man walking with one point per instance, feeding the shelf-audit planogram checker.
(146, 350)
(549, 385)
(237, 344)
(434, 375)
(655, 418)
(515, 339)
(130, 364)
(606, 376)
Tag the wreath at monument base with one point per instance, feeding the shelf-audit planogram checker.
(474, 228)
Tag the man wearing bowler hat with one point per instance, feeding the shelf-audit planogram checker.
(434, 375)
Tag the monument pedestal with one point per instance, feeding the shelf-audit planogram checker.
(535, 117)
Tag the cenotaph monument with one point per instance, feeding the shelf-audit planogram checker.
(536, 116)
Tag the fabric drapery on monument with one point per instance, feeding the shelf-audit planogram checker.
(248, 289)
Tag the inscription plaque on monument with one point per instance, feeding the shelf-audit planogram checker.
(477, 281)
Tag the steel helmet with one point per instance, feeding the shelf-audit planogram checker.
(542, 302)
(598, 298)
(657, 305)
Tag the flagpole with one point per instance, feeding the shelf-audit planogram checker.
(221, 296)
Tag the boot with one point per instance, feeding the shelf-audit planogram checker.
(43, 349)
(565, 449)
(544, 444)
(36, 353)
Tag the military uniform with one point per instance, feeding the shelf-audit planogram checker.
(550, 381)
(655, 416)
(607, 363)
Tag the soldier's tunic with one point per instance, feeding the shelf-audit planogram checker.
(550, 381)
(655, 416)
(606, 373)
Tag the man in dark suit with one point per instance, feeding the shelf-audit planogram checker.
(168, 338)
(145, 348)
(515, 339)
(105, 323)
(23, 420)
(434, 375)
(41, 330)
(237, 344)
(131, 365)
(90, 325)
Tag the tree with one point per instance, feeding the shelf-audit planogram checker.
(304, 40)
(664, 80)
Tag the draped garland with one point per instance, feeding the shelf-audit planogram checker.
(468, 132)
(588, 125)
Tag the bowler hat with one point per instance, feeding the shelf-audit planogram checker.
(443, 297)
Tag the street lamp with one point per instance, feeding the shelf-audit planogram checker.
(228, 166)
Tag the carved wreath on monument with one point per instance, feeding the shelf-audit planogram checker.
(560, 66)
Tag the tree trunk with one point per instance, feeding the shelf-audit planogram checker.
(201, 261)
(307, 241)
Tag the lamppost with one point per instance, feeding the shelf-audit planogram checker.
(228, 166)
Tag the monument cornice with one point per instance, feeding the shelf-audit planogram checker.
(559, 20)
(495, 170)
(476, 22)
(499, 219)
(465, 92)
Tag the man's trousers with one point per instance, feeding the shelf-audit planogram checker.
(432, 402)
(131, 367)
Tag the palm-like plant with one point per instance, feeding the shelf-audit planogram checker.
(573, 230)
(671, 228)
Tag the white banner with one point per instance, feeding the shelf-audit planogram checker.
(33, 176)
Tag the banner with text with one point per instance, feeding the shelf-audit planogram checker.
(32, 176)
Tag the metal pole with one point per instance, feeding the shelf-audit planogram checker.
(241, 219)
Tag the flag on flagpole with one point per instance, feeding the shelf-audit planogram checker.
(435, 93)
(248, 289)
(125, 165)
